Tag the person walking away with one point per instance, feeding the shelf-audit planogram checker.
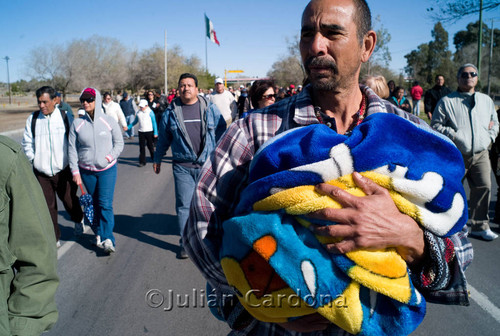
(433, 95)
(45, 143)
(333, 96)
(147, 131)
(129, 109)
(191, 126)
(416, 94)
(95, 143)
(469, 119)
(28, 280)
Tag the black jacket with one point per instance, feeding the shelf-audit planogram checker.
(432, 96)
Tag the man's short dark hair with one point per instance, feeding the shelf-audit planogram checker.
(188, 75)
(46, 89)
(363, 18)
(437, 76)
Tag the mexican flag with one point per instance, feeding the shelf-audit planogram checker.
(210, 31)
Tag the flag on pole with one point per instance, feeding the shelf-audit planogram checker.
(210, 31)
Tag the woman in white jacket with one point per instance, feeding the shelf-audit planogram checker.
(114, 110)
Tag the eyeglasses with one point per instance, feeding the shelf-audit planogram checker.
(88, 100)
(465, 75)
(269, 96)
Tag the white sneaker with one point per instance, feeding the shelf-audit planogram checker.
(79, 228)
(108, 246)
(58, 244)
(97, 242)
(485, 234)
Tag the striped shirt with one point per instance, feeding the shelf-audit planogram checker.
(225, 175)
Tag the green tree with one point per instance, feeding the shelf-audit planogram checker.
(431, 59)
(466, 45)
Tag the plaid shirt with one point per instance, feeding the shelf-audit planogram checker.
(225, 175)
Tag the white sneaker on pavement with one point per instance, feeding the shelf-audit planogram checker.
(108, 246)
(485, 234)
(97, 242)
(58, 244)
(79, 228)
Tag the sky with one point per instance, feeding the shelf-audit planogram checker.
(252, 34)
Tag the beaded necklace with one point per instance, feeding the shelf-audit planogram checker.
(357, 118)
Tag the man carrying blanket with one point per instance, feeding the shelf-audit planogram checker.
(336, 38)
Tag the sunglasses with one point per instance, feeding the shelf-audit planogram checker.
(465, 75)
(88, 100)
(269, 96)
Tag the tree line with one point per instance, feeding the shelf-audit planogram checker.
(106, 63)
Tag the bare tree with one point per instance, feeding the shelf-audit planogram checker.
(453, 10)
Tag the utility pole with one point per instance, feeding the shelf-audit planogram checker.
(480, 39)
(491, 56)
(8, 79)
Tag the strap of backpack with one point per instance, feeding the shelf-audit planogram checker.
(33, 123)
(35, 117)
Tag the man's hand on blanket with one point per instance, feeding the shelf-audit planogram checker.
(308, 323)
(369, 222)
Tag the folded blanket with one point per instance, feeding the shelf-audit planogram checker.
(280, 269)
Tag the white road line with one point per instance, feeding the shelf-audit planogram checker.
(67, 245)
(483, 301)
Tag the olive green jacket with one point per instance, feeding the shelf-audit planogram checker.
(28, 258)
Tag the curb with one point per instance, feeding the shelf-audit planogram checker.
(12, 132)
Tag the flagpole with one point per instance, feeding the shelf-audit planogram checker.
(166, 80)
(206, 53)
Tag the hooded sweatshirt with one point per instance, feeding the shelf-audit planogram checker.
(94, 144)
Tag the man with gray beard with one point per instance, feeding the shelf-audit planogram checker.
(336, 38)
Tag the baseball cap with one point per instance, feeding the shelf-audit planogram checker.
(292, 86)
(143, 103)
(219, 81)
(242, 86)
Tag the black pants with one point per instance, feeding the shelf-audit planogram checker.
(61, 184)
(146, 138)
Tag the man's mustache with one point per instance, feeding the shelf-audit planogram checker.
(321, 62)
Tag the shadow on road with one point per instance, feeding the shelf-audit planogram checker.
(133, 227)
(157, 224)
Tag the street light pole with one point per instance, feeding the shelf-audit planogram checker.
(8, 79)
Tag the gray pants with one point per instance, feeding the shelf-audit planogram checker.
(478, 175)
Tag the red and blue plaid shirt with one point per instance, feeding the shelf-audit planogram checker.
(225, 175)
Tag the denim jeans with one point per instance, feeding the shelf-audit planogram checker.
(101, 185)
(416, 107)
(185, 182)
(130, 119)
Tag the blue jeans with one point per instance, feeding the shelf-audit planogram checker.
(130, 119)
(101, 185)
(185, 182)
(416, 107)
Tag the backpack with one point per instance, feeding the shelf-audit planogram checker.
(35, 117)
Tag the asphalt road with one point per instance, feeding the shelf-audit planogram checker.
(108, 295)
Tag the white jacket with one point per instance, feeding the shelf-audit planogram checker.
(114, 110)
(49, 151)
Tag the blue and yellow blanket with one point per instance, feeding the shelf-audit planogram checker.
(280, 269)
